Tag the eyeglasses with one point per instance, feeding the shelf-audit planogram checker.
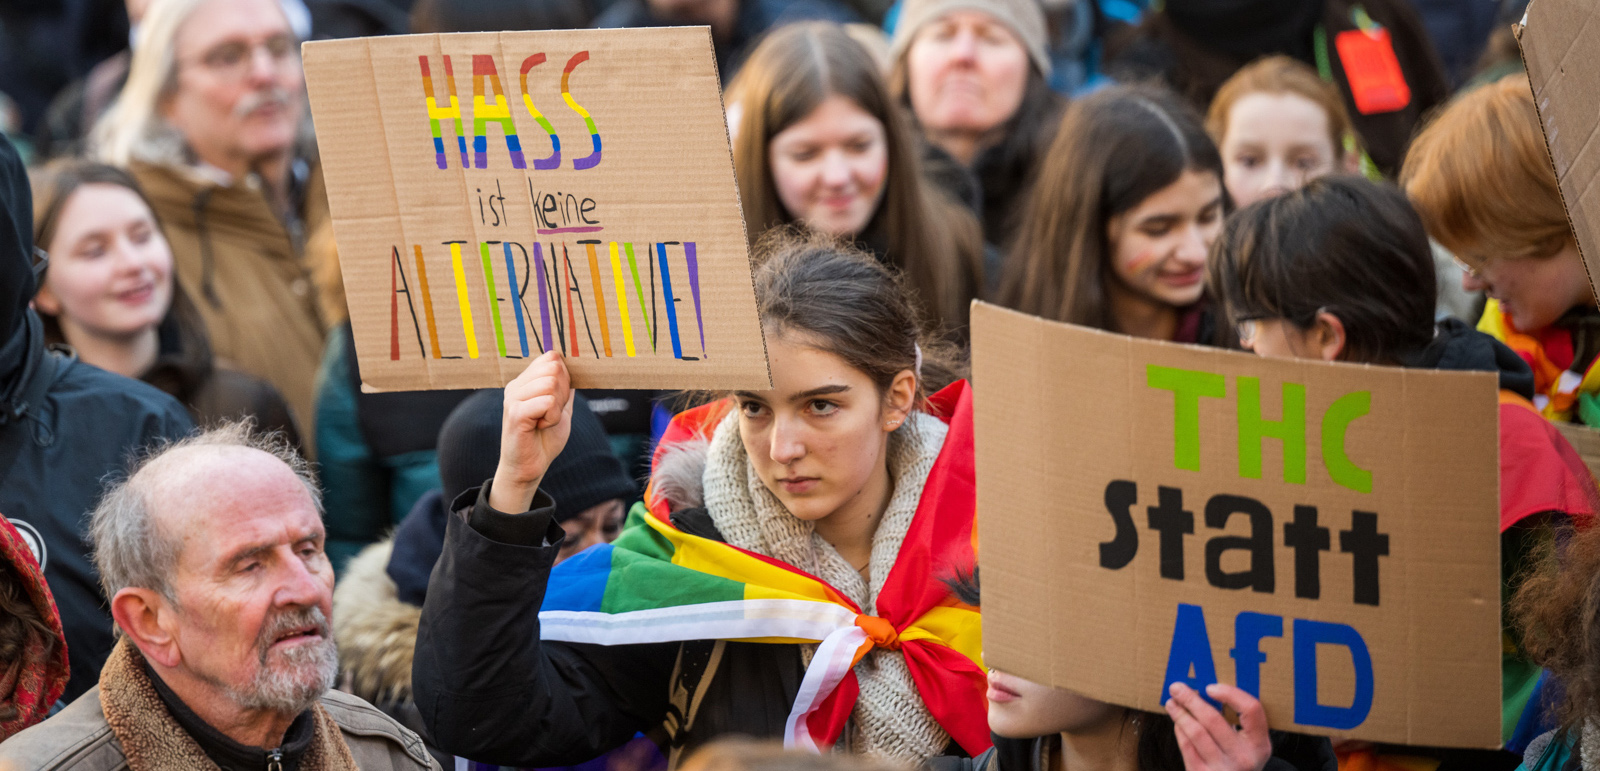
(1247, 331)
(41, 260)
(1475, 272)
(1250, 326)
(234, 58)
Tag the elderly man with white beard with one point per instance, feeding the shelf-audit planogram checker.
(211, 553)
(212, 123)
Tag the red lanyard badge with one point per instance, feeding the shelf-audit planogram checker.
(1370, 66)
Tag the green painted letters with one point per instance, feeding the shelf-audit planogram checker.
(1334, 423)
(1187, 386)
(1291, 430)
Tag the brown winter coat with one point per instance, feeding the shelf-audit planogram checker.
(123, 724)
(243, 270)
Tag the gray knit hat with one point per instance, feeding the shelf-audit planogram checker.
(1024, 18)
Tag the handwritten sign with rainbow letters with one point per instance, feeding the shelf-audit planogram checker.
(585, 202)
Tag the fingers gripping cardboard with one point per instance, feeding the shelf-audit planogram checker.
(498, 195)
(1562, 52)
(1325, 536)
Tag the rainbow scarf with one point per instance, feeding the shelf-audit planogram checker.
(659, 584)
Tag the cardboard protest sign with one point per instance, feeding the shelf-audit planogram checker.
(1325, 536)
(496, 195)
(1562, 55)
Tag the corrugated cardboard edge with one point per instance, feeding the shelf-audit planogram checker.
(1517, 30)
(749, 252)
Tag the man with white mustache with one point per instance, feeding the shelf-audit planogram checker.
(211, 553)
(212, 123)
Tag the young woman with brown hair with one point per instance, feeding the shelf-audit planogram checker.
(1128, 202)
(1480, 177)
(110, 292)
(845, 472)
(817, 141)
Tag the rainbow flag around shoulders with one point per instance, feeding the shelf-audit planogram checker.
(659, 584)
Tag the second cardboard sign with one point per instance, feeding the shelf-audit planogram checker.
(1323, 535)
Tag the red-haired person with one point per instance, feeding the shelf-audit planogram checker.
(1480, 177)
(1278, 127)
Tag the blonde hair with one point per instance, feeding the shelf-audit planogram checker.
(1480, 176)
(132, 129)
(1281, 75)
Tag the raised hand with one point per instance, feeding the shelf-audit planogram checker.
(533, 430)
(1210, 743)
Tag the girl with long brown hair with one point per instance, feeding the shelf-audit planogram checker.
(846, 473)
(818, 142)
(1127, 204)
(110, 292)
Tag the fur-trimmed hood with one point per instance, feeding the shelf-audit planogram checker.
(376, 632)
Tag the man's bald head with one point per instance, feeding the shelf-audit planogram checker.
(179, 492)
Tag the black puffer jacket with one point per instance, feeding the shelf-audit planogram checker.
(489, 689)
(64, 426)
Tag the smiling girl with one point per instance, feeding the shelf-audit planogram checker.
(837, 475)
(819, 142)
(108, 292)
(1127, 204)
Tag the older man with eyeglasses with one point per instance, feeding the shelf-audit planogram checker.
(212, 122)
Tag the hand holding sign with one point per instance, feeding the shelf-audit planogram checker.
(534, 429)
(1210, 743)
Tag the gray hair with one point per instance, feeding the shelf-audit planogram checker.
(132, 129)
(130, 549)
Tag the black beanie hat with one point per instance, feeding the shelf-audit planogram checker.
(586, 473)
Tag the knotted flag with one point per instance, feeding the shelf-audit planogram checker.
(659, 584)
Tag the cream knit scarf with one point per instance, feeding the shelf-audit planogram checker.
(889, 719)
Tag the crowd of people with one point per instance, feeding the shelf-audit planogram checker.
(219, 551)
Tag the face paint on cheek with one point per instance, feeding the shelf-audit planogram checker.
(1139, 262)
